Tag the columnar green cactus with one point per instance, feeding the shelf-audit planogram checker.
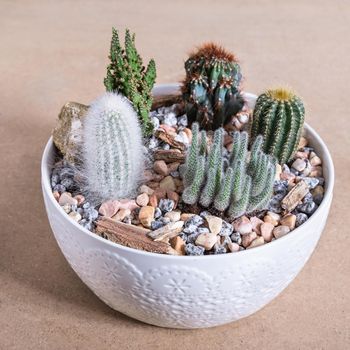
(211, 88)
(279, 117)
(112, 150)
(242, 187)
(127, 75)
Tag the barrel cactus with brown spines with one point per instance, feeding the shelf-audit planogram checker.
(279, 117)
(211, 88)
(240, 188)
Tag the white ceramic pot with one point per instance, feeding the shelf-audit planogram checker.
(186, 291)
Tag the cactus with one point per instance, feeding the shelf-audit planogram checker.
(279, 117)
(127, 75)
(112, 153)
(243, 187)
(211, 88)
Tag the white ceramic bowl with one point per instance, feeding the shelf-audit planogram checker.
(186, 291)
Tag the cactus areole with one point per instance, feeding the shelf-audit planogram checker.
(211, 87)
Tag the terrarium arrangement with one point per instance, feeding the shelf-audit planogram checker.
(192, 173)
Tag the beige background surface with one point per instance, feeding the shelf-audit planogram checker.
(55, 51)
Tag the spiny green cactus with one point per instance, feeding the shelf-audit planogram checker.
(211, 88)
(279, 117)
(112, 150)
(127, 75)
(242, 187)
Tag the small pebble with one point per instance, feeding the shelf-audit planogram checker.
(307, 208)
(214, 223)
(146, 189)
(248, 238)
(191, 249)
(233, 247)
(289, 220)
(266, 231)
(299, 164)
(186, 216)
(157, 213)
(195, 220)
(142, 199)
(236, 238)
(182, 120)
(168, 183)
(256, 224)
(80, 198)
(317, 194)
(155, 225)
(219, 249)
(173, 215)
(66, 198)
(121, 214)
(146, 216)
(206, 240)
(280, 231)
(190, 228)
(56, 195)
(243, 225)
(300, 219)
(67, 208)
(226, 229)
(170, 119)
(160, 167)
(166, 205)
(75, 216)
(107, 209)
(256, 243)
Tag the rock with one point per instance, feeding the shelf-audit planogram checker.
(174, 197)
(280, 231)
(182, 121)
(160, 167)
(266, 231)
(189, 229)
(317, 194)
(67, 208)
(311, 182)
(236, 237)
(56, 195)
(166, 205)
(186, 216)
(191, 249)
(169, 138)
(256, 243)
(170, 119)
(226, 229)
(182, 137)
(291, 200)
(243, 225)
(314, 159)
(153, 201)
(308, 208)
(66, 198)
(278, 172)
(173, 215)
(206, 240)
(299, 164)
(80, 198)
(219, 249)
(300, 219)
(173, 166)
(214, 224)
(155, 225)
(128, 204)
(157, 213)
(280, 187)
(153, 185)
(233, 247)
(274, 204)
(300, 154)
(75, 216)
(146, 189)
(192, 237)
(307, 169)
(166, 232)
(67, 132)
(170, 156)
(195, 220)
(146, 216)
(302, 143)
(317, 171)
(256, 223)
(142, 199)
(121, 214)
(289, 220)
(188, 133)
(248, 238)
(168, 184)
(178, 244)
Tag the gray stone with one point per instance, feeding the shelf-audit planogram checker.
(166, 205)
(191, 249)
(301, 218)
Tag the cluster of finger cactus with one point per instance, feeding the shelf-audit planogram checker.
(211, 88)
(127, 75)
(112, 154)
(279, 117)
(232, 185)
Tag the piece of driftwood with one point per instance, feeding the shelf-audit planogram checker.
(169, 139)
(166, 232)
(169, 156)
(296, 194)
(166, 100)
(130, 236)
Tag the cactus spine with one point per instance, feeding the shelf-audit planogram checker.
(279, 117)
(112, 149)
(127, 75)
(242, 187)
(211, 88)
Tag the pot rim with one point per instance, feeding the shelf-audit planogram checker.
(329, 184)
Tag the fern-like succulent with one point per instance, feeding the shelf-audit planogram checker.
(127, 75)
(240, 188)
(279, 117)
(112, 154)
(211, 88)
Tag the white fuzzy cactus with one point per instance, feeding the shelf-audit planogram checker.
(113, 159)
